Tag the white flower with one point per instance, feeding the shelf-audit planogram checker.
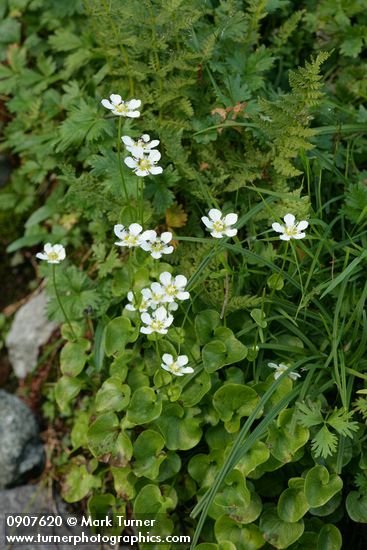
(145, 165)
(154, 295)
(134, 306)
(219, 225)
(129, 237)
(279, 369)
(173, 287)
(53, 254)
(290, 230)
(176, 367)
(122, 108)
(158, 321)
(156, 245)
(141, 146)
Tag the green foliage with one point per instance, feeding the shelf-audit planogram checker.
(259, 110)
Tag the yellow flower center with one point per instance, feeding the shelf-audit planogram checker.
(157, 325)
(174, 367)
(122, 108)
(53, 256)
(157, 246)
(291, 231)
(144, 164)
(218, 226)
(171, 290)
(131, 239)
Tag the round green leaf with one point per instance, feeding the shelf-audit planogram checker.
(118, 333)
(233, 402)
(329, 538)
(100, 505)
(102, 434)
(204, 468)
(259, 317)
(66, 389)
(179, 427)
(258, 454)
(214, 355)
(320, 486)
(148, 454)
(78, 483)
(73, 357)
(225, 349)
(277, 532)
(292, 505)
(285, 437)
(275, 281)
(144, 406)
(356, 505)
(113, 395)
(233, 498)
(170, 466)
(205, 324)
(196, 389)
(124, 480)
(244, 537)
(328, 508)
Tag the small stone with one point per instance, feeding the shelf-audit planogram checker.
(30, 330)
(21, 451)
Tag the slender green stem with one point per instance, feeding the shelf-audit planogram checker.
(120, 164)
(141, 196)
(60, 302)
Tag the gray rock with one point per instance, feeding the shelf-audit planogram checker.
(30, 330)
(36, 499)
(21, 452)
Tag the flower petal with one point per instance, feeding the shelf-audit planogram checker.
(116, 99)
(289, 220)
(284, 237)
(145, 138)
(161, 314)
(154, 156)
(230, 219)
(119, 230)
(277, 227)
(134, 104)
(299, 236)
(41, 256)
(230, 232)
(107, 104)
(130, 162)
(128, 141)
(149, 235)
(215, 214)
(146, 318)
(181, 281)
(207, 222)
(182, 360)
(165, 278)
(135, 229)
(155, 170)
(167, 358)
(302, 225)
(167, 250)
(166, 237)
(133, 114)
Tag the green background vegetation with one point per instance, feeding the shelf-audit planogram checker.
(259, 107)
